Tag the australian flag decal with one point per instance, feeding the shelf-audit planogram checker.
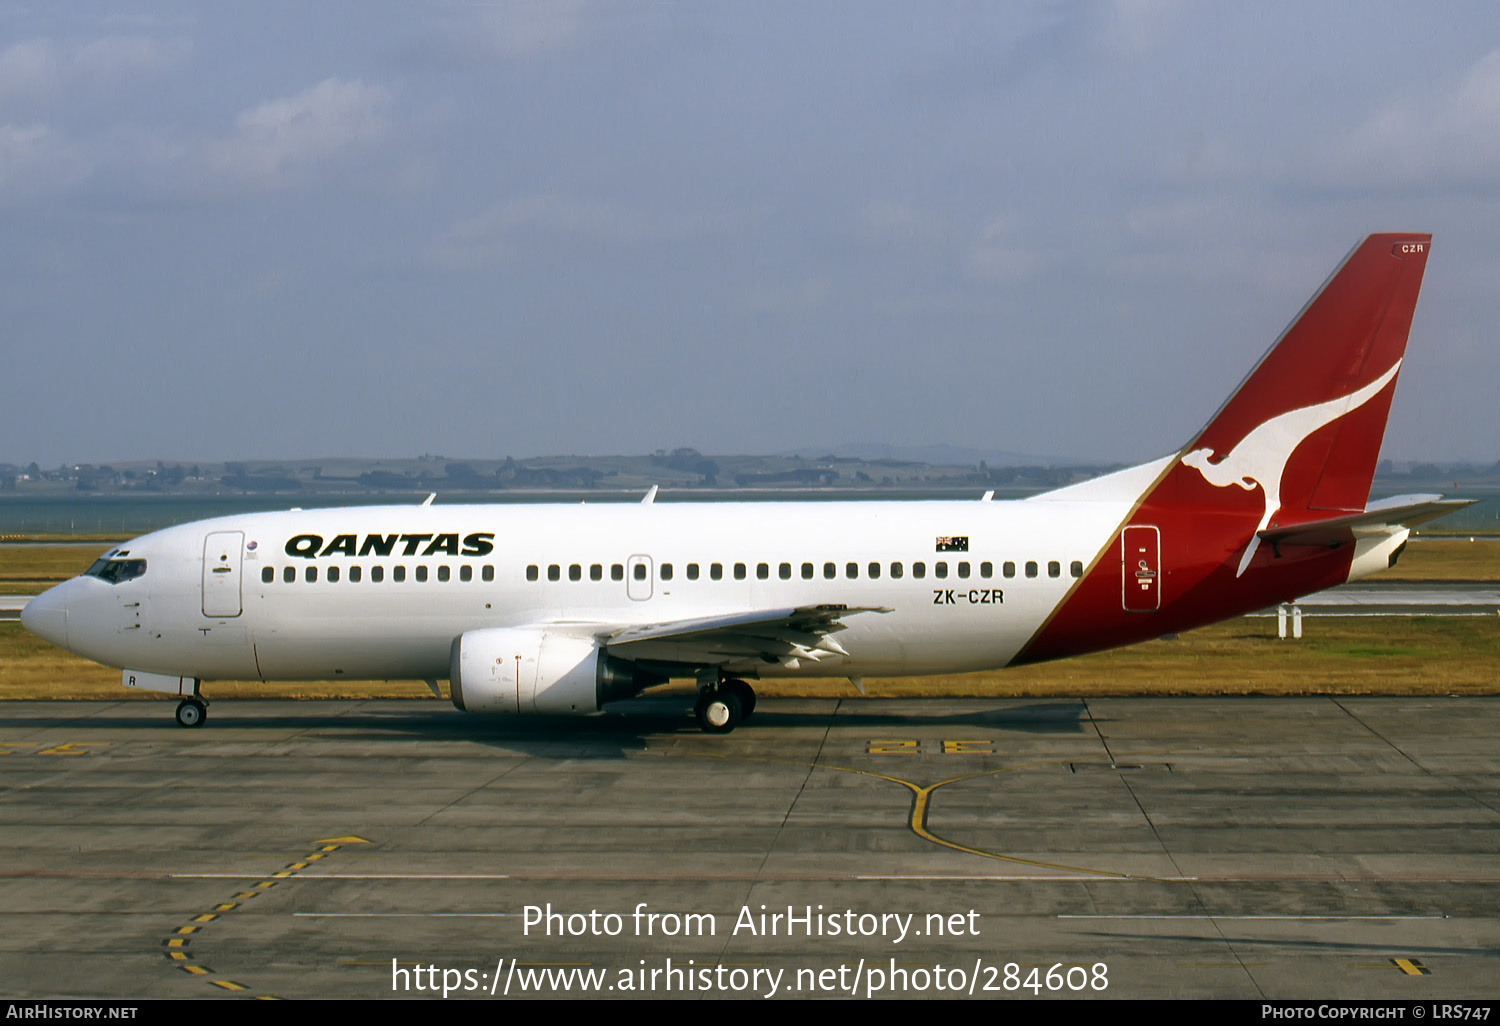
(953, 543)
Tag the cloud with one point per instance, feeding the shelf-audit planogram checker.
(40, 69)
(993, 257)
(527, 28)
(499, 231)
(279, 141)
(1452, 138)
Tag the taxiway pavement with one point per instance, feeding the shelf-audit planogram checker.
(1205, 847)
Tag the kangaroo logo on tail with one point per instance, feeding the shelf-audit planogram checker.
(1261, 456)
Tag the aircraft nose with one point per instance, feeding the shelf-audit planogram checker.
(46, 616)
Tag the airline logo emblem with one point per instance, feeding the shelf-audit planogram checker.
(1261, 457)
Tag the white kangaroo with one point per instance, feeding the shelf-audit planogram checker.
(1261, 456)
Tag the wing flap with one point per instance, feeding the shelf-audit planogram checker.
(767, 635)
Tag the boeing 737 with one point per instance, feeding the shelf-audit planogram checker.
(564, 608)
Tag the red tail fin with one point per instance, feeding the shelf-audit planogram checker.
(1296, 443)
(1307, 424)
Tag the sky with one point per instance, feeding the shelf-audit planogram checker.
(246, 231)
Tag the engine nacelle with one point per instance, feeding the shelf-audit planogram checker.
(531, 670)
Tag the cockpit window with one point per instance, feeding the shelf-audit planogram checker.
(116, 571)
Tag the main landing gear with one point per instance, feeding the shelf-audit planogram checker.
(723, 705)
(191, 712)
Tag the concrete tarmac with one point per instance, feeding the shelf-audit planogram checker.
(1283, 848)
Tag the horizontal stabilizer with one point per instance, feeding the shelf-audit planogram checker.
(1398, 511)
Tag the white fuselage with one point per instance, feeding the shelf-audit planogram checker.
(273, 595)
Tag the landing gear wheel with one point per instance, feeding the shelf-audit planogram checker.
(719, 711)
(191, 713)
(745, 693)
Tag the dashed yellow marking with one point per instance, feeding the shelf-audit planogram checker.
(72, 748)
(968, 748)
(227, 906)
(206, 917)
(297, 865)
(246, 895)
(187, 929)
(175, 942)
(196, 970)
(1411, 967)
(282, 875)
(229, 985)
(264, 884)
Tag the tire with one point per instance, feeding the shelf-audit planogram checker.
(745, 693)
(191, 714)
(718, 711)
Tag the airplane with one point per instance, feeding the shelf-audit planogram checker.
(548, 609)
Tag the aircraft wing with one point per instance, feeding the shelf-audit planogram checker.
(1396, 512)
(783, 636)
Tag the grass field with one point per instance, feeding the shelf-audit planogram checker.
(1457, 655)
(1341, 655)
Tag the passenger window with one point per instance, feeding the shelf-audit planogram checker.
(763, 571)
(963, 570)
(874, 571)
(531, 573)
(421, 574)
(807, 571)
(986, 570)
(289, 575)
(398, 574)
(692, 571)
(940, 570)
(377, 574)
(333, 574)
(784, 571)
(851, 571)
(666, 571)
(444, 572)
(355, 573)
(896, 570)
(554, 572)
(639, 571)
(1075, 568)
(716, 571)
(466, 573)
(1031, 568)
(616, 572)
(596, 572)
(919, 570)
(830, 571)
(1054, 568)
(1008, 568)
(575, 572)
(267, 574)
(739, 571)
(487, 572)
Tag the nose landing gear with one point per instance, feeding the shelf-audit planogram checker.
(191, 712)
